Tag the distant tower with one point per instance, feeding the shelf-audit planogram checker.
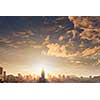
(1, 74)
(42, 78)
(4, 75)
(1, 70)
(43, 74)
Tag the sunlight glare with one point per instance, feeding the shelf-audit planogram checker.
(41, 67)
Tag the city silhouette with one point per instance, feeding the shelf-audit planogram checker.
(57, 78)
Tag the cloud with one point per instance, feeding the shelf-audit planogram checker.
(24, 33)
(56, 50)
(46, 40)
(61, 38)
(59, 50)
(91, 34)
(85, 21)
(13, 46)
(87, 34)
(91, 51)
(5, 40)
(25, 43)
(76, 20)
(14, 42)
(82, 44)
(73, 33)
(98, 62)
(37, 46)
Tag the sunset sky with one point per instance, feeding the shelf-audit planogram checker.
(60, 44)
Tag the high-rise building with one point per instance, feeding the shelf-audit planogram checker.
(42, 78)
(1, 70)
(43, 74)
(4, 74)
(1, 74)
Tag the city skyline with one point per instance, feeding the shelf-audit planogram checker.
(43, 78)
(59, 44)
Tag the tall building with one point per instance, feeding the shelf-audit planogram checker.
(4, 74)
(42, 78)
(43, 74)
(1, 74)
(1, 70)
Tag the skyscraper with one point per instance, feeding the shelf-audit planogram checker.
(42, 78)
(1, 74)
(4, 75)
(1, 70)
(43, 74)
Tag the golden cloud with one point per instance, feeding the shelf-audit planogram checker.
(91, 34)
(91, 51)
(85, 21)
(82, 45)
(46, 40)
(87, 34)
(98, 61)
(58, 50)
(61, 38)
(37, 46)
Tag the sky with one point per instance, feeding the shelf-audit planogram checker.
(60, 44)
